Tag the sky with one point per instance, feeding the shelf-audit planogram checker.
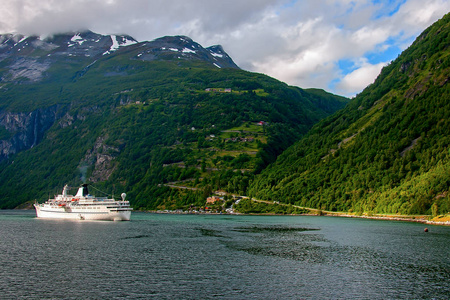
(336, 45)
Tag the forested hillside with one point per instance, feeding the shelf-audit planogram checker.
(141, 118)
(387, 151)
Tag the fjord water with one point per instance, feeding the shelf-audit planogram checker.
(158, 256)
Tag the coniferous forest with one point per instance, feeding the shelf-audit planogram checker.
(386, 152)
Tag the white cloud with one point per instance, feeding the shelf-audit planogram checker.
(354, 82)
(297, 41)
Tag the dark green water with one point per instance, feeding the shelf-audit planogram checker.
(225, 257)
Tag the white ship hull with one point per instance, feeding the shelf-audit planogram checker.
(84, 206)
(82, 214)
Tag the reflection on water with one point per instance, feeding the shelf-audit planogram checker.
(229, 257)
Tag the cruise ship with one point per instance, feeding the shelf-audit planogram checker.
(84, 206)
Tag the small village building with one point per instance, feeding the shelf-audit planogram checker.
(212, 200)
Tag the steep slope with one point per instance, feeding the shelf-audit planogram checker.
(387, 151)
(140, 118)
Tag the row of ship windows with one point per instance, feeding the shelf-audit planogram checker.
(94, 204)
(81, 207)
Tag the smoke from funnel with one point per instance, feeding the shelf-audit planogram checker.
(83, 171)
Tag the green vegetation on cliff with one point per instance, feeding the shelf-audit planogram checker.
(145, 126)
(388, 151)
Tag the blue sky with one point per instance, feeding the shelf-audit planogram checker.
(337, 45)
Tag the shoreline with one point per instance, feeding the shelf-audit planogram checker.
(423, 219)
(418, 219)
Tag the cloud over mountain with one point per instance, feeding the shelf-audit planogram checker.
(312, 43)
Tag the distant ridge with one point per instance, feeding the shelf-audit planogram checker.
(29, 57)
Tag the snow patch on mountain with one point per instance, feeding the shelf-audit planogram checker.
(21, 40)
(187, 50)
(77, 38)
(116, 43)
(127, 42)
(216, 54)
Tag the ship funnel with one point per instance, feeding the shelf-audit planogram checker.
(82, 191)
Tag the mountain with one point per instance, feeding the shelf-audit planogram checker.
(30, 58)
(387, 151)
(140, 117)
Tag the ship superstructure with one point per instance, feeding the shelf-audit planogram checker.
(83, 206)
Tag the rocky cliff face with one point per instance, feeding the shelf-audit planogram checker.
(26, 129)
